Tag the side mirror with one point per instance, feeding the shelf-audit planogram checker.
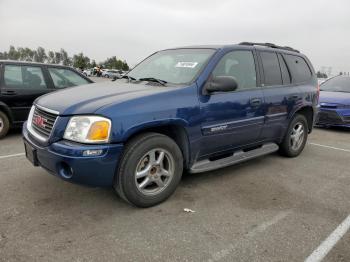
(221, 84)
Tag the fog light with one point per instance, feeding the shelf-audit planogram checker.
(65, 170)
(92, 152)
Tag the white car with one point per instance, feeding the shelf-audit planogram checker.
(321, 80)
(110, 73)
(88, 72)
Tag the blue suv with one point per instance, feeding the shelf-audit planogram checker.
(194, 108)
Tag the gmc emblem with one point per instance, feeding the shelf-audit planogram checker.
(39, 121)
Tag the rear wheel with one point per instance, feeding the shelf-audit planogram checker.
(150, 170)
(295, 138)
(4, 124)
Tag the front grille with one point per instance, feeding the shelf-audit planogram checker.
(346, 119)
(329, 117)
(43, 121)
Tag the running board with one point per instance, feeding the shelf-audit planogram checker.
(237, 157)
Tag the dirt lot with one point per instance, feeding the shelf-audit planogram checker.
(269, 209)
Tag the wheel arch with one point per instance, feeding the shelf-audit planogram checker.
(308, 112)
(174, 130)
(4, 108)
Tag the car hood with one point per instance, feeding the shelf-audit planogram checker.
(335, 97)
(87, 99)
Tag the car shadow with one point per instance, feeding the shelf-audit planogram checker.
(335, 129)
(14, 132)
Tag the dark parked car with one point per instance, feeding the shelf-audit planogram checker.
(22, 82)
(194, 108)
(335, 102)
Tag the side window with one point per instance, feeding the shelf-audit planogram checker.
(30, 77)
(240, 65)
(299, 69)
(284, 70)
(271, 68)
(62, 77)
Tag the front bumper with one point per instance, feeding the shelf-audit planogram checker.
(333, 117)
(65, 159)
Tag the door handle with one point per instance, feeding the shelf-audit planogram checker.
(255, 101)
(8, 92)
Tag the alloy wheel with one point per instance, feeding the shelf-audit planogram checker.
(1, 124)
(297, 136)
(154, 171)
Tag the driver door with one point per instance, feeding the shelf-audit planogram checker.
(233, 119)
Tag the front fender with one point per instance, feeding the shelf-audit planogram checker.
(126, 134)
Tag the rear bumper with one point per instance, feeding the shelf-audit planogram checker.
(66, 160)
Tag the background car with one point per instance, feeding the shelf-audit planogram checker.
(22, 82)
(110, 73)
(88, 72)
(335, 102)
(321, 80)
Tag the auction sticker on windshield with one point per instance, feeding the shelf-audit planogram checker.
(186, 64)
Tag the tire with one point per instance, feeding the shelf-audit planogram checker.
(149, 171)
(295, 138)
(4, 124)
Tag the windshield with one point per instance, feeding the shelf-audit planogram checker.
(178, 66)
(337, 84)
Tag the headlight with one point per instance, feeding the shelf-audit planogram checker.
(88, 129)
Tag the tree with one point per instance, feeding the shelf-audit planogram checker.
(66, 60)
(321, 75)
(13, 54)
(125, 66)
(27, 54)
(58, 57)
(51, 57)
(40, 55)
(115, 63)
(3, 55)
(81, 61)
(93, 63)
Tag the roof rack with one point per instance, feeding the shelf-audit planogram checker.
(270, 45)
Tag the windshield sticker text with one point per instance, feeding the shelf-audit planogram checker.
(186, 64)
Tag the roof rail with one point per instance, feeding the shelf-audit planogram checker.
(270, 45)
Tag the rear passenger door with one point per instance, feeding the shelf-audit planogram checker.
(281, 95)
(21, 85)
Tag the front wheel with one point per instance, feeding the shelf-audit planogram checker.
(150, 170)
(295, 138)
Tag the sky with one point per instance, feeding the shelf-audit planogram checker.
(133, 29)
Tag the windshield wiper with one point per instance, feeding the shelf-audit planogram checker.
(128, 77)
(152, 79)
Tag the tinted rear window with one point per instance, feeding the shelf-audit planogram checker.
(298, 68)
(271, 68)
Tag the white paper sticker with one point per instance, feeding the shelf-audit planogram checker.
(186, 64)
